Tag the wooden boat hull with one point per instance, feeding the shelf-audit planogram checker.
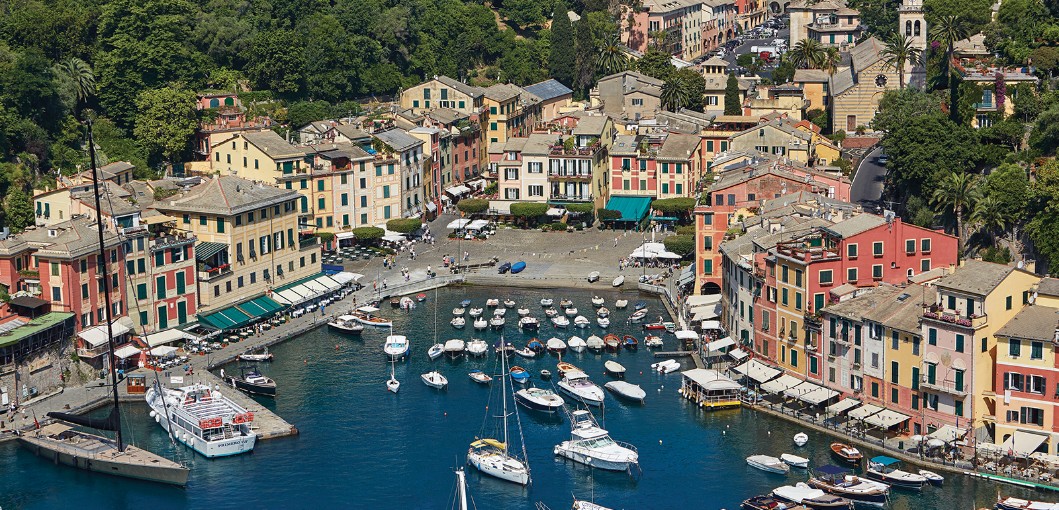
(838, 490)
(836, 451)
(110, 463)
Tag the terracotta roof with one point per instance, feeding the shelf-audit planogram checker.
(678, 146)
(859, 142)
(469, 90)
(273, 145)
(857, 224)
(69, 239)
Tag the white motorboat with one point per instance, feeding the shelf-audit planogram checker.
(802, 493)
(434, 379)
(392, 384)
(556, 345)
(522, 312)
(588, 505)
(479, 377)
(576, 344)
(592, 446)
(265, 355)
(603, 322)
(529, 323)
(560, 322)
(458, 322)
(627, 390)
(571, 312)
(497, 322)
(652, 341)
(492, 302)
(593, 277)
(582, 322)
(477, 347)
(768, 463)
(546, 302)
(614, 368)
(480, 323)
(526, 352)
(436, 351)
(509, 303)
(475, 312)
(1010, 503)
(597, 301)
(577, 384)
(801, 438)
(454, 347)
(346, 324)
(203, 419)
(594, 343)
(794, 460)
(566, 303)
(934, 478)
(666, 367)
(886, 469)
(621, 304)
(551, 313)
(396, 346)
(841, 482)
(459, 311)
(366, 316)
(638, 315)
(492, 456)
(500, 312)
(539, 399)
(603, 312)
(617, 282)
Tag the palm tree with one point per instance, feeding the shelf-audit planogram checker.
(81, 75)
(957, 192)
(989, 216)
(948, 30)
(808, 53)
(832, 58)
(898, 53)
(676, 93)
(611, 58)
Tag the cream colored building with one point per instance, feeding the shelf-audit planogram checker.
(258, 156)
(858, 89)
(248, 241)
(442, 92)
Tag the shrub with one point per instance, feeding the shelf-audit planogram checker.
(368, 233)
(528, 210)
(608, 214)
(579, 208)
(686, 230)
(472, 205)
(404, 225)
(557, 226)
(680, 244)
(326, 237)
(674, 206)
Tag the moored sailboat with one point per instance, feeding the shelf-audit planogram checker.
(492, 456)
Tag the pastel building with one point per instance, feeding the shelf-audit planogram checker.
(1027, 382)
(660, 170)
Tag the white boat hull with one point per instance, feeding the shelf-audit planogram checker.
(221, 448)
(576, 454)
(592, 396)
(504, 468)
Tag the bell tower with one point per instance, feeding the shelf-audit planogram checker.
(912, 23)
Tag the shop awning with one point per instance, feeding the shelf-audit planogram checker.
(478, 224)
(864, 411)
(810, 393)
(780, 385)
(126, 351)
(706, 313)
(345, 277)
(458, 191)
(206, 250)
(431, 207)
(757, 371)
(737, 354)
(393, 238)
(699, 301)
(687, 275)
(458, 224)
(261, 306)
(167, 336)
(97, 335)
(843, 405)
(686, 334)
(948, 433)
(345, 235)
(316, 286)
(330, 283)
(1023, 443)
(631, 208)
(164, 350)
(886, 418)
(226, 318)
(717, 345)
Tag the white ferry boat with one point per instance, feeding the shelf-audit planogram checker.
(203, 419)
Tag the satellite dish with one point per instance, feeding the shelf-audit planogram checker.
(1021, 264)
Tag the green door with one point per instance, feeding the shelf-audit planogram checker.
(180, 283)
(163, 318)
(182, 312)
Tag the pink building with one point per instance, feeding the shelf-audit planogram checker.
(659, 167)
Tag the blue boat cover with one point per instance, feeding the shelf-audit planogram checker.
(884, 460)
(831, 470)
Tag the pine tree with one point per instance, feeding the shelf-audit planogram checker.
(561, 59)
(585, 57)
(732, 104)
(19, 210)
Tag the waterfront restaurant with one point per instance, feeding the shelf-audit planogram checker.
(710, 389)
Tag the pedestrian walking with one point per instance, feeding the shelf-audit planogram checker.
(615, 241)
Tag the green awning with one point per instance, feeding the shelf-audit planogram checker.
(206, 250)
(261, 306)
(227, 318)
(631, 208)
(664, 218)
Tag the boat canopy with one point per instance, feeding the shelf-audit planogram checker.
(843, 405)
(830, 469)
(1023, 443)
(489, 442)
(757, 371)
(367, 309)
(884, 460)
(779, 385)
(346, 318)
(886, 418)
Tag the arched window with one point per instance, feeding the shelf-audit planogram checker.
(214, 103)
(908, 28)
(228, 101)
(917, 28)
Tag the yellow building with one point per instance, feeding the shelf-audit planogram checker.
(857, 90)
(816, 87)
(442, 92)
(248, 240)
(790, 315)
(511, 112)
(260, 156)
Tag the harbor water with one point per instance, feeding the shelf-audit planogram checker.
(363, 447)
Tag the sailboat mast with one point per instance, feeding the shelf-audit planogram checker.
(462, 487)
(106, 283)
(503, 386)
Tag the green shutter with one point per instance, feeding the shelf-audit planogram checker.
(163, 318)
(141, 291)
(159, 258)
(182, 312)
(915, 378)
(180, 283)
(958, 377)
(159, 282)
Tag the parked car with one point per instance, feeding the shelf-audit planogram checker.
(882, 159)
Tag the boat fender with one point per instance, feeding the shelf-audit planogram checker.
(157, 419)
(153, 414)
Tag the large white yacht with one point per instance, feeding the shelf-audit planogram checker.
(592, 446)
(203, 419)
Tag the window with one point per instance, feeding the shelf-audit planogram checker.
(851, 274)
(794, 358)
(875, 389)
(893, 395)
(785, 274)
(826, 276)
(637, 102)
(797, 300)
(1014, 348)
(932, 336)
(784, 297)
(910, 246)
(957, 377)
(798, 277)
(959, 342)
(877, 272)
(915, 378)
(958, 405)
(1007, 303)
(877, 248)
(202, 220)
(1036, 350)
(220, 225)
(141, 291)
(1032, 415)
(159, 285)
(895, 343)
(814, 364)
(932, 373)
(851, 251)
(1013, 381)
(84, 291)
(1036, 384)
(924, 246)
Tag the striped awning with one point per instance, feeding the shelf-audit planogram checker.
(206, 250)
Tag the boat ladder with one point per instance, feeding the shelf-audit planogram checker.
(227, 430)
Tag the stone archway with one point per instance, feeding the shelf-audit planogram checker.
(710, 288)
(775, 7)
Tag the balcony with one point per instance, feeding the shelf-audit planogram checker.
(172, 241)
(581, 152)
(572, 198)
(948, 387)
(558, 175)
(985, 106)
(308, 242)
(973, 322)
(215, 273)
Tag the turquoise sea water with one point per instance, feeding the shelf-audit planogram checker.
(362, 447)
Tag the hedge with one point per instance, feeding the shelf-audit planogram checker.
(686, 230)
(404, 225)
(472, 205)
(368, 233)
(682, 205)
(579, 208)
(528, 209)
(608, 214)
(680, 244)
